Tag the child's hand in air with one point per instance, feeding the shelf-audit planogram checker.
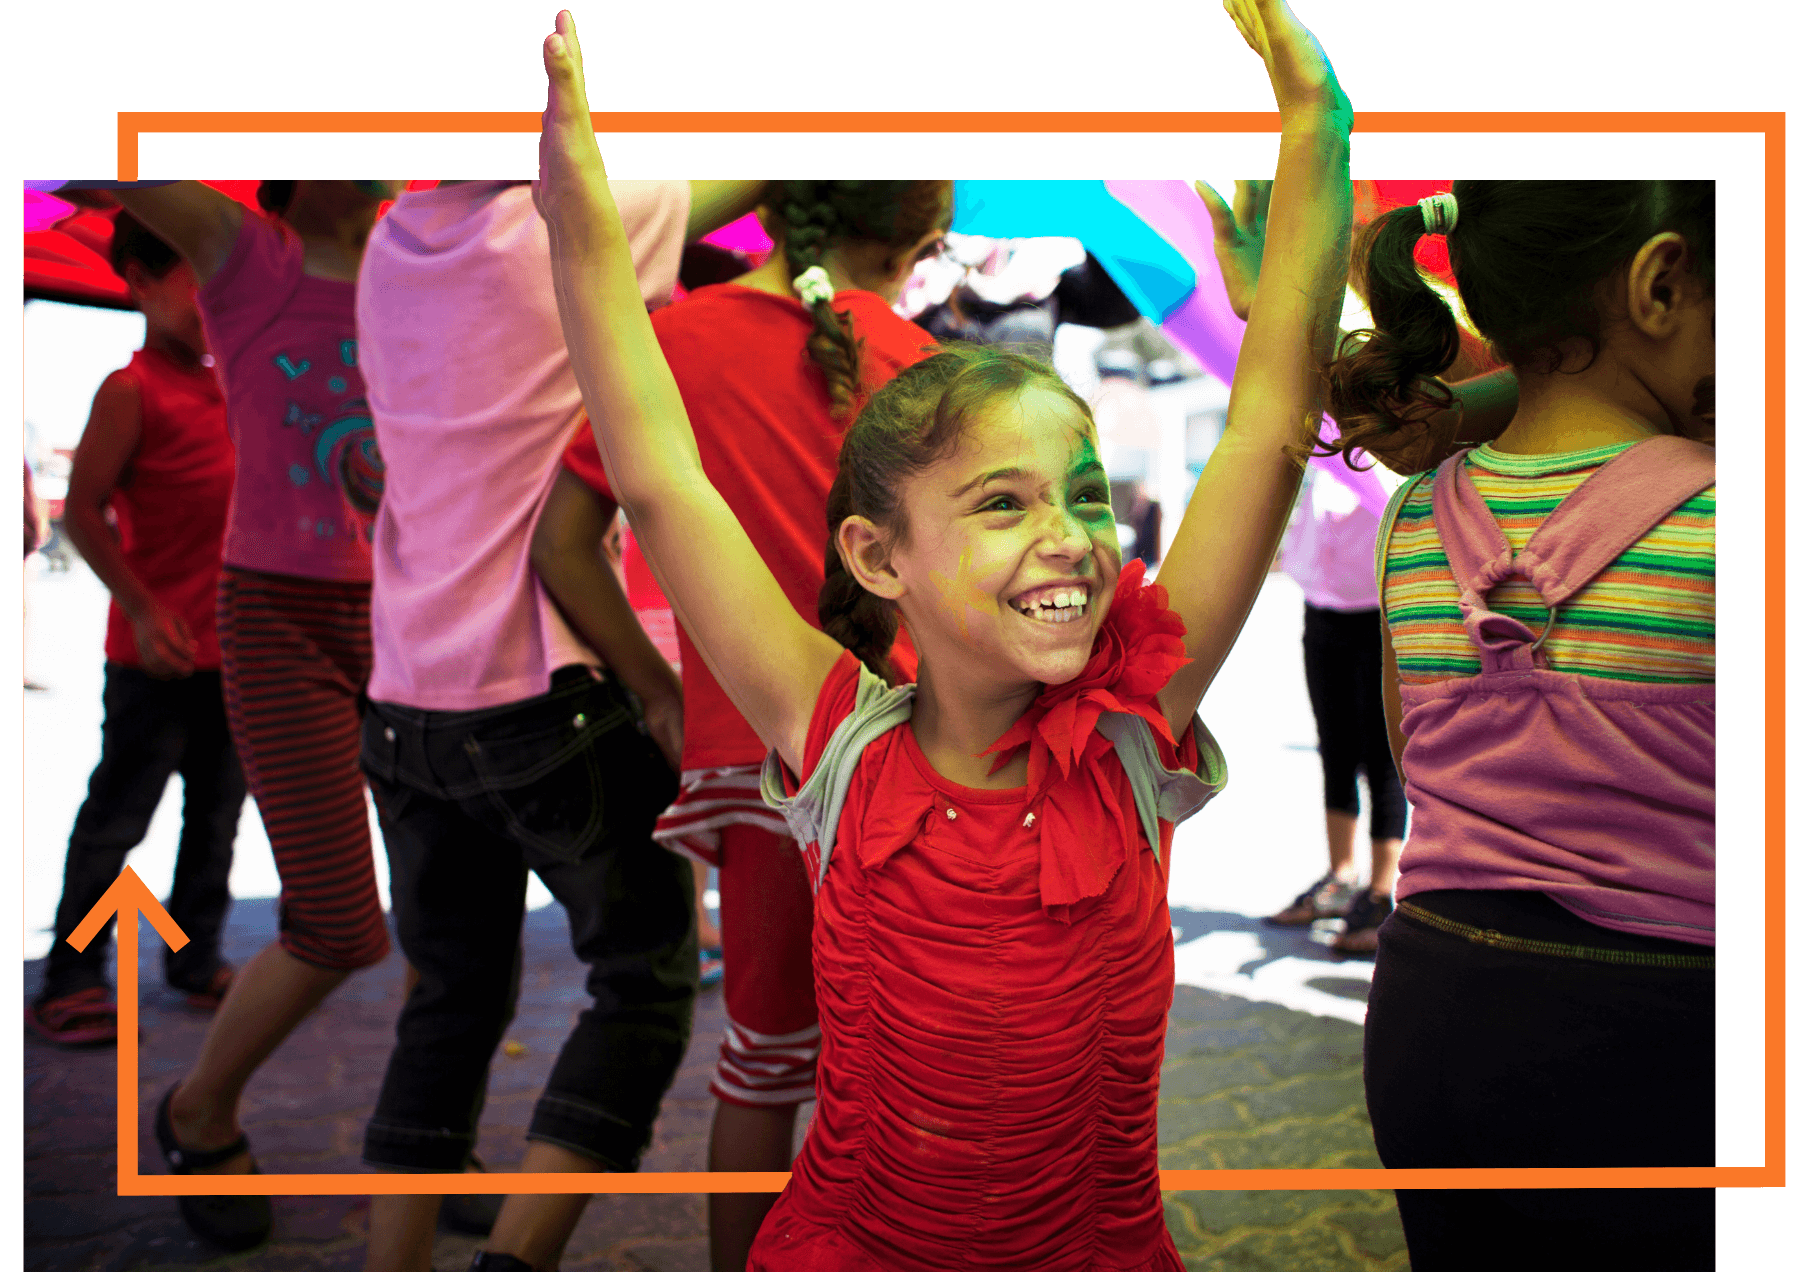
(1301, 75)
(1239, 238)
(571, 178)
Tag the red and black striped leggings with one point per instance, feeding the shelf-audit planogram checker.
(295, 657)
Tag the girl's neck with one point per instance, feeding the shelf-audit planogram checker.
(954, 724)
(332, 246)
(173, 347)
(1603, 405)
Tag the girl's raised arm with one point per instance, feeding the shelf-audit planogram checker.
(767, 658)
(1242, 501)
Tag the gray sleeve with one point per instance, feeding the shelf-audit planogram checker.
(813, 811)
(1160, 793)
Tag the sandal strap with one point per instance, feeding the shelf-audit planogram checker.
(186, 1161)
(57, 1014)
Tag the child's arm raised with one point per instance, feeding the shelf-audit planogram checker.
(1242, 501)
(767, 658)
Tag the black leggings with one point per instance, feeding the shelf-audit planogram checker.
(1479, 1056)
(1343, 661)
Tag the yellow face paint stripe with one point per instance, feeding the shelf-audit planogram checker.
(962, 594)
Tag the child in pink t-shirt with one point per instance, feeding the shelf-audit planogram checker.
(503, 733)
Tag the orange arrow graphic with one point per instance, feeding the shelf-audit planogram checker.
(128, 898)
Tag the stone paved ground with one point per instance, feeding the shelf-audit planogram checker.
(1245, 1085)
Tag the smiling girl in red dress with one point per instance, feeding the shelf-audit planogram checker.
(992, 946)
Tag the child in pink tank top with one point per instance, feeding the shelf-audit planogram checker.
(1544, 994)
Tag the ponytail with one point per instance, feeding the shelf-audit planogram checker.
(858, 619)
(809, 224)
(1383, 392)
(1531, 259)
(817, 215)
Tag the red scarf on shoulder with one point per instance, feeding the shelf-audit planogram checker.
(1086, 815)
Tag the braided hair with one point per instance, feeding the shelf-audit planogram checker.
(1530, 258)
(910, 423)
(813, 216)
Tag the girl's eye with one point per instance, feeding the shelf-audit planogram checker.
(1002, 503)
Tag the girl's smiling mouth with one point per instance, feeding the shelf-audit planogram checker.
(1062, 602)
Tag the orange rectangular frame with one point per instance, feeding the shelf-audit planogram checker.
(133, 124)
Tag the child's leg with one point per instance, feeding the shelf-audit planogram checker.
(1329, 696)
(1389, 806)
(632, 921)
(295, 658)
(707, 933)
(766, 1068)
(1332, 693)
(459, 892)
(140, 746)
(212, 798)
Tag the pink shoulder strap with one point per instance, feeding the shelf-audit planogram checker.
(1606, 515)
(1612, 511)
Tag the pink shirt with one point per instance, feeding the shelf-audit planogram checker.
(474, 400)
(285, 347)
(1331, 547)
(1598, 792)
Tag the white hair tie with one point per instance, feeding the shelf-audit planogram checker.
(1440, 212)
(813, 286)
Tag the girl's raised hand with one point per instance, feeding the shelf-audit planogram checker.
(1239, 238)
(570, 171)
(1301, 76)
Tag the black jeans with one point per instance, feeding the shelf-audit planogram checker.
(153, 729)
(565, 784)
(1483, 1056)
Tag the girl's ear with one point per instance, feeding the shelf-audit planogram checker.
(865, 551)
(1661, 280)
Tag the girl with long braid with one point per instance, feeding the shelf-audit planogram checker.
(1544, 994)
(771, 368)
(992, 942)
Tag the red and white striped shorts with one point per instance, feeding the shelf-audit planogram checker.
(772, 1042)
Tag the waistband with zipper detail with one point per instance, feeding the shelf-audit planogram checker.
(1521, 945)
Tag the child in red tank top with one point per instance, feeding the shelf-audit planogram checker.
(156, 453)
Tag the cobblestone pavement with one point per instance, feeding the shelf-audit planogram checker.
(1245, 1085)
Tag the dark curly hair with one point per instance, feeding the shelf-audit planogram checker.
(910, 423)
(275, 196)
(812, 216)
(135, 242)
(1530, 258)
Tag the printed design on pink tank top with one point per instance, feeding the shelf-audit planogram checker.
(344, 451)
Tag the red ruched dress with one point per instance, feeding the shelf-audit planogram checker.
(994, 971)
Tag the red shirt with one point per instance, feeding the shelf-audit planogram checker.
(770, 445)
(171, 500)
(994, 970)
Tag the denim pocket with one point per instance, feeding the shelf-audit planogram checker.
(381, 748)
(544, 788)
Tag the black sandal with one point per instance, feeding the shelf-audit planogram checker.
(234, 1223)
